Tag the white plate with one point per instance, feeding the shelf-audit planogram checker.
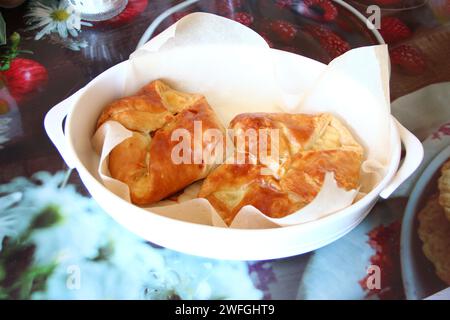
(419, 278)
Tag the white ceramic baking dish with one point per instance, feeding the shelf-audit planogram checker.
(74, 144)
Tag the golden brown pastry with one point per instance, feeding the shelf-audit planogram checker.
(444, 188)
(434, 231)
(144, 161)
(309, 146)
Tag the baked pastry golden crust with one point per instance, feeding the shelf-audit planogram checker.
(434, 231)
(144, 161)
(444, 188)
(309, 146)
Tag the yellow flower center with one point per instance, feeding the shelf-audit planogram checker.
(60, 15)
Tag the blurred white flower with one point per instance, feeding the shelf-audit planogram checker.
(56, 16)
(9, 219)
(110, 262)
(203, 279)
(4, 128)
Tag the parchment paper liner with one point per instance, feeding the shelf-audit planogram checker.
(237, 72)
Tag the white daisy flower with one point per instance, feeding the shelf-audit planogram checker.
(10, 216)
(57, 16)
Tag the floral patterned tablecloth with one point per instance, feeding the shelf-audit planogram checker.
(56, 242)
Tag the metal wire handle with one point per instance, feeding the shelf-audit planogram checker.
(152, 27)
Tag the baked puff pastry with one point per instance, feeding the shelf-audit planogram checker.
(145, 161)
(308, 147)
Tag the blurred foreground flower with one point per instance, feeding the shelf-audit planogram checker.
(4, 128)
(59, 244)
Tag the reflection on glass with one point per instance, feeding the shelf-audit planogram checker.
(98, 10)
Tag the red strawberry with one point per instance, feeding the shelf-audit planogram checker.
(394, 30)
(243, 17)
(322, 9)
(408, 59)
(284, 3)
(23, 77)
(131, 11)
(333, 44)
(284, 30)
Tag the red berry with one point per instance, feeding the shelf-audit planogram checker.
(131, 11)
(408, 59)
(284, 3)
(23, 77)
(394, 30)
(333, 44)
(243, 17)
(323, 9)
(284, 30)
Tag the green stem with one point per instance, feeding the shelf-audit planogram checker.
(15, 41)
(12, 52)
(5, 66)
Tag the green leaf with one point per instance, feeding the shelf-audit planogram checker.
(2, 30)
(35, 280)
(21, 278)
(3, 294)
(2, 273)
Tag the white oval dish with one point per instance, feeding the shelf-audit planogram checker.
(75, 146)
